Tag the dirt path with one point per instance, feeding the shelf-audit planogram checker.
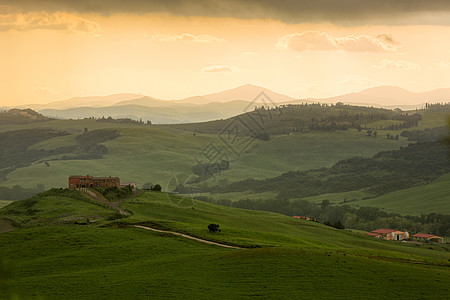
(98, 197)
(189, 237)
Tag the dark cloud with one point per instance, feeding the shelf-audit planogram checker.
(61, 21)
(355, 11)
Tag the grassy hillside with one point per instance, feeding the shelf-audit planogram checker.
(433, 197)
(55, 260)
(3, 203)
(54, 208)
(157, 153)
(385, 172)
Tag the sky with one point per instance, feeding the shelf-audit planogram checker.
(58, 49)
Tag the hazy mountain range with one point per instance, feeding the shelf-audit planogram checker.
(223, 104)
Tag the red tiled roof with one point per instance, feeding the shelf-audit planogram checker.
(297, 217)
(384, 230)
(424, 235)
(373, 234)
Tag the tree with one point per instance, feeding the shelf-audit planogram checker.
(157, 188)
(339, 225)
(214, 228)
(325, 203)
(147, 186)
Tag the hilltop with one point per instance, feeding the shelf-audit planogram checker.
(284, 256)
(21, 116)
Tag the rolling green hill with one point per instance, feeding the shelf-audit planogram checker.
(164, 154)
(53, 257)
(157, 153)
(433, 197)
(3, 203)
(385, 172)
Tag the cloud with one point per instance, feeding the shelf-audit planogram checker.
(49, 21)
(403, 65)
(220, 69)
(44, 91)
(187, 37)
(285, 10)
(322, 41)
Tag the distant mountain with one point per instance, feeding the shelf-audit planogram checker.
(157, 111)
(225, 104)
(246, 92)
(145, 101)
(391, 96)
(93, 101)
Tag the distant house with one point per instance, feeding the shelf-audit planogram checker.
(389, 234)
(428, 238)
(302, 217)
(78, 181)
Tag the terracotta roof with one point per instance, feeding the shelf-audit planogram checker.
(424, 235)
(383, 230)
(373, 234)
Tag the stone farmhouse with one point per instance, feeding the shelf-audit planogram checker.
(389, 234)
(79, 181)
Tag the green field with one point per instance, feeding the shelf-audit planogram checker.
(112, 259)
(157, 153)
(3, 203)
(433, 119)
(433, 197)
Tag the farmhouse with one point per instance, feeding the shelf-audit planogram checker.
(389, 234)
(78, 181)
(302, 217)
(428, 238)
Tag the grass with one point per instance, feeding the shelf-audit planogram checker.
(136, 264)
(157, 153)
(297, 257)
(430, 120)
(235, 196)
(3, 203)
(336, 198)
(53, 210)
(433, 197)
(246, 227)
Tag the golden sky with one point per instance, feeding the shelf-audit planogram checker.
(53, 50)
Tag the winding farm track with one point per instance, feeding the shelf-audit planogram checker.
(189, 237)
(114, 205)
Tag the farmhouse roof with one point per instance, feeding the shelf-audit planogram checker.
(373, 234)
(424, 235)
(383, 230)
